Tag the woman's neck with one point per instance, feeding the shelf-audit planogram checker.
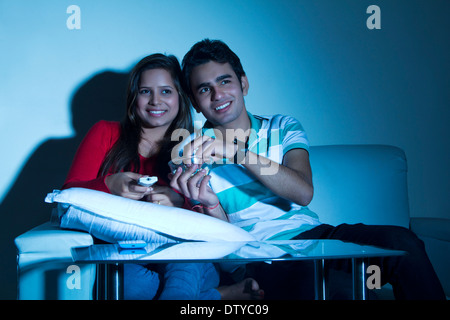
(149, 144)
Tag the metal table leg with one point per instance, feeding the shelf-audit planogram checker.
(359, 266)
(110, 281)
(100, 282)
(320, 280)
(115, 281)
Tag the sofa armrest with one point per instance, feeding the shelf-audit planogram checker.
(435, 233)
(43, 260)
(48, 238)
(48, 243)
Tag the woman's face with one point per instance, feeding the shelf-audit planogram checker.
(158, 99)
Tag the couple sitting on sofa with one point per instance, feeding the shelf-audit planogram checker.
(261, 181)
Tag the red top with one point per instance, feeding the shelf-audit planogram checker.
(91, 153)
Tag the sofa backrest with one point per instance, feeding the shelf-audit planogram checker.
(360, 183)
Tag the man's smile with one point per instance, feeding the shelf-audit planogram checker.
(223, 107)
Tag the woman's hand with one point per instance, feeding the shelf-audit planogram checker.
(124, 184)
(165, 196)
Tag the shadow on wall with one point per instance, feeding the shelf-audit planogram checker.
(102, 97)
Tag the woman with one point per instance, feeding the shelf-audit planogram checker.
(113, 156)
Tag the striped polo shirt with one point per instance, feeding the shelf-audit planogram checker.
(247, 202)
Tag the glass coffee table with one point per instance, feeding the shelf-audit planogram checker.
(110, 259)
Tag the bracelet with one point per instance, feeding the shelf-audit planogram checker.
(210, 208)
(202, 206)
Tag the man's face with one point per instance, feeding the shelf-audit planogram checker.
(218, 94)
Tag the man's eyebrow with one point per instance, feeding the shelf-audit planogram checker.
(222, 77)
(218, 79)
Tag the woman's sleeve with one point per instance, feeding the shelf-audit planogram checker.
(89, 158)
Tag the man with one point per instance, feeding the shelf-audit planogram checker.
(262, 182)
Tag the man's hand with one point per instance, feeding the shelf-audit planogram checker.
(194, 186)
(208, 147)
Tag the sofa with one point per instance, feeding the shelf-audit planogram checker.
(349, 182)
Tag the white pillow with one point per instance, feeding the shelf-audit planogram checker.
(112, 218)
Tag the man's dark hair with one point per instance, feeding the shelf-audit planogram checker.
(209, 50)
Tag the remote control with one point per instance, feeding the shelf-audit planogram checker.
(132, 244)
(147, 181)
(132, 251)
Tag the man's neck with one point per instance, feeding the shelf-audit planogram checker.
(236, 130)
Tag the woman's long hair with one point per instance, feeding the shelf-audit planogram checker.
(124, 155)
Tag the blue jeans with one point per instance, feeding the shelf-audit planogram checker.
(173, 281)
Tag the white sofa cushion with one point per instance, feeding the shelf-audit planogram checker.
(112, 218)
